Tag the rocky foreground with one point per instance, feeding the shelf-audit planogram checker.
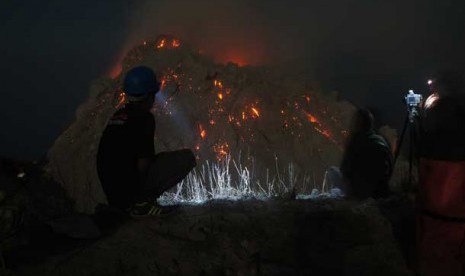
(279, 237)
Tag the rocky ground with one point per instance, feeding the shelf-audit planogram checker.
(42, 235)
(279, 237)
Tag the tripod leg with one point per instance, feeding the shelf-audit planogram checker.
(411, 150)
(399, 144)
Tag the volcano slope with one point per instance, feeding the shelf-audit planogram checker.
(266, 117)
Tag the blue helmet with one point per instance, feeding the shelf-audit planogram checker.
(140, 81)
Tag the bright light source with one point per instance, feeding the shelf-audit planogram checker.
(431, 100)
(430, 82)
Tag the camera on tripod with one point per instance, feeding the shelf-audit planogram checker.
(413, 102)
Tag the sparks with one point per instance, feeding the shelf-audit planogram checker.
(220, 96)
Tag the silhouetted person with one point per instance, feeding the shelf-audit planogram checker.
(131, 174)
(366, 166)
(441, 187)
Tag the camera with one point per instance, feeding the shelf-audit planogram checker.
(413, 100)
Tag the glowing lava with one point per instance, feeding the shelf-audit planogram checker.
(255, 111)
(161, 43)
(165, 41)
(121, 100)
(221, 149)
(203, 132)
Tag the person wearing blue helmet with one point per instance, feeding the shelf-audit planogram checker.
(132, 175)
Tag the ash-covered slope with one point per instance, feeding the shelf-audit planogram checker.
(261, 114)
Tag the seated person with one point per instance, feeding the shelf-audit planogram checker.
(367, 163)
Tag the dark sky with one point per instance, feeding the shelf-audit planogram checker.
(372, 51)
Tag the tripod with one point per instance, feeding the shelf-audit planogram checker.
(410, 120)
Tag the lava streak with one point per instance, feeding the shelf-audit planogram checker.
(319, 127)
(255, 111)
(203, 132)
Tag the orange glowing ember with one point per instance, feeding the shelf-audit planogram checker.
(319, 127)
(175, 43)
(161, 44)
(163, 84)
(203, 132)
(220, 96)
(121, 100)
(255, 111)
(222, 150)
(311, 118)
(218, 84)
(327, 134)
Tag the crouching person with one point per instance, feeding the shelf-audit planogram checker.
(367, 163)
(132, 176)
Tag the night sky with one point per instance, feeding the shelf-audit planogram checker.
(372, 51)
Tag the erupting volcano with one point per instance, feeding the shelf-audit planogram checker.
(270, 123)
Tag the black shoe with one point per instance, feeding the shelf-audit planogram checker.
(147, 209)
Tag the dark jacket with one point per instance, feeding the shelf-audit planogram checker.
(128, 137)
(367, 165)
